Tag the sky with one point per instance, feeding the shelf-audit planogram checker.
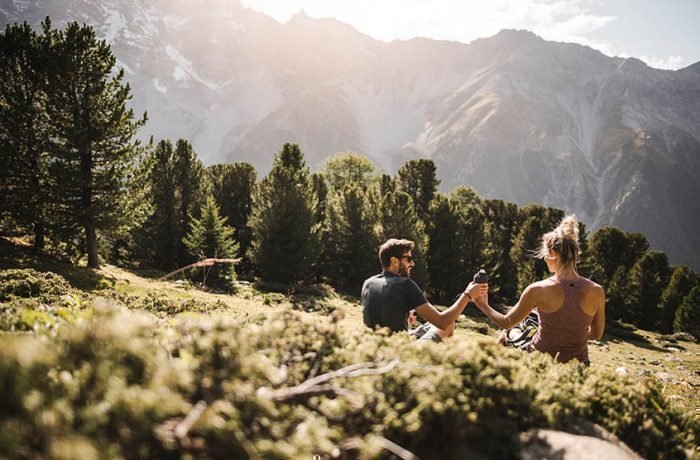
(663, 33)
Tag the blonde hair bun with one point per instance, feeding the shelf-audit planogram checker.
(569, 227)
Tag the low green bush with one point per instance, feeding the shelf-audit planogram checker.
(127, 385)
(27, 283)
(31, 300)
(162, 305)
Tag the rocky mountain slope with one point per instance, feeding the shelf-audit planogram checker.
(514, 116)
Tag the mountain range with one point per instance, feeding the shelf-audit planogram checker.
(513, 116)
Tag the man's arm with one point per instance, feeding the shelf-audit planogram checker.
(443, 319)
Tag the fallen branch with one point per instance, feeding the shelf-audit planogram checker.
(395, 449)
(402, 453)
(201, 263)
(184, 427)
(301, 396)
(318, 385)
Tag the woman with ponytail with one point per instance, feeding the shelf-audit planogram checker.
(571, 308)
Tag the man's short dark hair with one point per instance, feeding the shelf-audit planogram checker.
(393, 248)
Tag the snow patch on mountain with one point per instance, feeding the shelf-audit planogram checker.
(160, 87)
(184, 70)
(113, 24)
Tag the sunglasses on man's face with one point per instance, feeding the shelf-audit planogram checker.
(408, 258)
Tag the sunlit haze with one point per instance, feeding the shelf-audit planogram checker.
(663, 34)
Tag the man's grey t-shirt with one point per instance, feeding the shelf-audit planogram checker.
(387, 298)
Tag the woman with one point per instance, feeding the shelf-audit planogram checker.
(571, 308)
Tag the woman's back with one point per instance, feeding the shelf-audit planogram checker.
(566, 311)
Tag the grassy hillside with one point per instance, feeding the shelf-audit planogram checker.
(95, 362)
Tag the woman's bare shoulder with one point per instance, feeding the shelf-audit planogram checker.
(593, 291)
(592, 286)
(543, 284)
(541, 288)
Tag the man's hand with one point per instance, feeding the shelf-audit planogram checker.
(412, 318)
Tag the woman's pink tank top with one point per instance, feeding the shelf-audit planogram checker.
(564, 333)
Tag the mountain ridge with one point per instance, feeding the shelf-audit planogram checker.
(513, 115)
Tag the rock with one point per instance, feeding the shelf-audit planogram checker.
(655, 362)
(674, 347)
(539, 443)
(672, 358)
(622, 370)
(664, 376)
(684, 336)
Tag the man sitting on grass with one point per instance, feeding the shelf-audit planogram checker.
(389, 297)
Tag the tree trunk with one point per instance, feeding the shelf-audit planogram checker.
(88, 210)
(91, 237)
(39, 232)
(37, 203)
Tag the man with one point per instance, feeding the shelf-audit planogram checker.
(389, 297)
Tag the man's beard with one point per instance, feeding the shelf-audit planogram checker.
(404, 271)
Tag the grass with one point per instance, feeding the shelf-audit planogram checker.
(623, 349)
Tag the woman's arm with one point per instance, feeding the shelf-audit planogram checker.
(528, 301)
(595, 330)
(443, 319)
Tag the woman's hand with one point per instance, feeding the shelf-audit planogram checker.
(481, 302)
(477, 290)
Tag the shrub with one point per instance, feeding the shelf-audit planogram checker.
(28, 283)
(298, 385)
(37, 300)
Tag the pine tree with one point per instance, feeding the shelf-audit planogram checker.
(350, 241)
(345, 169)
(189, 176)
(399, 219)
(501, 222)
(92, 135)
(687, 317)
(535, 221)
(386, 185)
(647, 280)
(158, 238)
(119, 243)
(585, 265)
(469, 207)
(232, 187)
(611, 248)
(611, 254)
(210, 237)
(419, 179)
(23, 131)
(320, 190)
(445, 238)
(285, 234)
(682, 281)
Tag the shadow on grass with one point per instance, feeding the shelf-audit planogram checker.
(292, 289)
(618, 332)
(15, 255)
(148, 273)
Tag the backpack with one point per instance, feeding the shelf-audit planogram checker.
(520, 335)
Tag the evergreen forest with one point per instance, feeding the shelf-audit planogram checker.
(78, 187)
